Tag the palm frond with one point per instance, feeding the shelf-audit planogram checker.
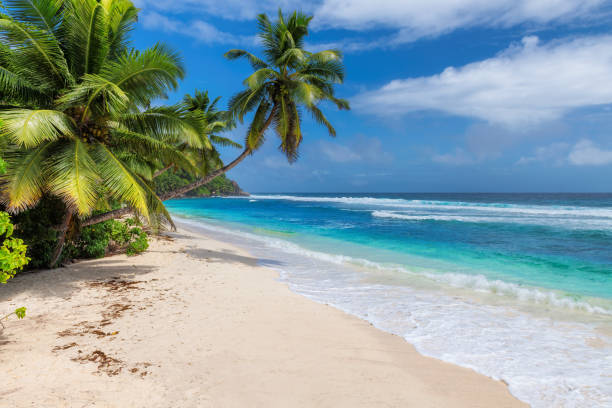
(321, 119)
(37, 53)
(98, 95)
(73, 177)
(224, 141)
(86, 36)
(146, 75)
(122, 16)
(256, 133)
(25, 181)
(29, 128)
(148, 146)
(122, 184)
(258, 78)
(255, 62)
(169, 123)
(42, 14)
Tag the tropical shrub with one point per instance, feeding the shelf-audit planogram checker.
(12, 252)
(139, 243)
(37, 228)
(97, 240)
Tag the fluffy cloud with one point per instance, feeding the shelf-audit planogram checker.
(528, 83)
(553, 154)
(586, 153)
(418, 18)
(409, 20)
(369, 150)
(198, 29)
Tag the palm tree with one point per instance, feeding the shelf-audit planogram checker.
(203, 156)
(286, 79)
(73, 106)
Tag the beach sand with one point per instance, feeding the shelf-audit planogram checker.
(196, 323)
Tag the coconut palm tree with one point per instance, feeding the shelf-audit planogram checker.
(215, 121)
(203, 156)
(287, 79)
(73, 106)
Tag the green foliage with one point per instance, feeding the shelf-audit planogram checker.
(36, 228)
(97, 240)
(75, 107)
(139, 243)
(287, 80)
(12, 252)
(20, 312)
(170, 181)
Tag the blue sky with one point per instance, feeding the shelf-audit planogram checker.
(446, 95)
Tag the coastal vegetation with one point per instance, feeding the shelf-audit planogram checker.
(85, 141)
(12, 254)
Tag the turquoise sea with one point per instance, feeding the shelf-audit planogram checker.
(515, 286)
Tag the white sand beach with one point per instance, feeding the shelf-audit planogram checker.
(195, 322)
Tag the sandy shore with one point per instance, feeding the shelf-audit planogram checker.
(196, 323)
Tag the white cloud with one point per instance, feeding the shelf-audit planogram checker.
(457, 158)
(409, 20)
(528, 83)
(198, 29)
(552, 154)
(418, 18)
(586, 153)
(369, 150)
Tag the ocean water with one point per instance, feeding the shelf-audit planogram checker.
(515, 286)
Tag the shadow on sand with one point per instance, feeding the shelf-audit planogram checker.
(63, 282)
(228, 256)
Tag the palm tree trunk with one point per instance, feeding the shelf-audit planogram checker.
(162, 171)
(59, 247)
(111, 215)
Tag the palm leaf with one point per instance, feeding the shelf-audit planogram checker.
(73, 177)
(255, 62)
(122, 184)
(36, 52)
(29, 128)
(43, 14)
(25, 181)
(224, 142)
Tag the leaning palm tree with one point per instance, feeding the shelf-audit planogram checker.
(287, 79)
(202, 157)
(73, 106)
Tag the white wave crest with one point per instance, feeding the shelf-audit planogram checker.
(545, 210)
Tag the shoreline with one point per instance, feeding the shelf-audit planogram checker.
(197, 322)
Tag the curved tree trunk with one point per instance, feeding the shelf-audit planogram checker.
(206, 179)
(59, 247)
(111, 215)
(162, 171)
